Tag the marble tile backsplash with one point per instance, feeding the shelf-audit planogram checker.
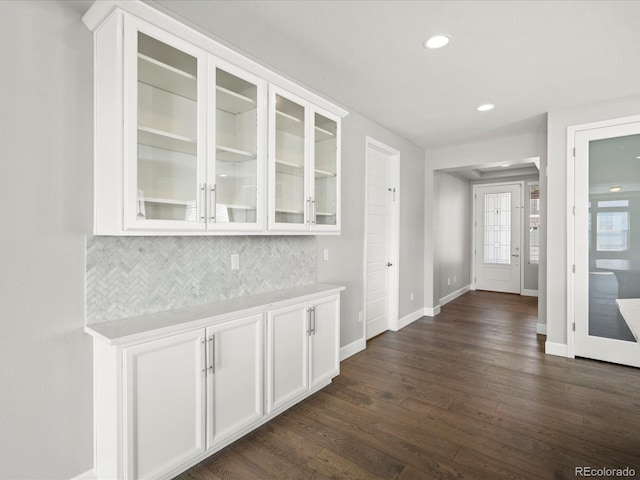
(131, 276)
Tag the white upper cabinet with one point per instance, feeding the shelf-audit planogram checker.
(304, 165)
(183, 132)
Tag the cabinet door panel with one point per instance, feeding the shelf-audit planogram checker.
(164, 130)
(237, 117)
(164, 404)
(287, 354)
(325, 339)
(234, 384)
(326, 172)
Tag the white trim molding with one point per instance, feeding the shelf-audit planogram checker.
(353, 348)
(408, 319)
(452, 296)
(432, 312)
(557, 349)
(541, 329)
(529, 293)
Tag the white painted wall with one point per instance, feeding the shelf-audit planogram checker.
(46, 193)
(452, 224)
(500, 150)
(558, 121)
(346, 262)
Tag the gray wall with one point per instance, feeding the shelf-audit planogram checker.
(558, 121)
(473, 154)
(346, 260)
(46, 193)
(452, 224)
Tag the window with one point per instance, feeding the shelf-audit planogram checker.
(497, 228)
(534, 224)
(613, 232)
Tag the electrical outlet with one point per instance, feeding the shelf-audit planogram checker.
(360, 316)
(326, 254)
(235, 261)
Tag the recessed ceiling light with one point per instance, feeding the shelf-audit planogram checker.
(486, 107)
(615, 188)
(506, 165)
(222, 175)
(437, 41)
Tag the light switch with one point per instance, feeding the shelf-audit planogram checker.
(235, 261)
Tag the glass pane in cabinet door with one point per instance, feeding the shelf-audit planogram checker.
(290, 128)
(236, 149)
(325, 171)
(167, 126)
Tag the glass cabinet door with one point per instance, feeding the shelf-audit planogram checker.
(167, 133)
(325, 172)
(291, 201)
(237, 176)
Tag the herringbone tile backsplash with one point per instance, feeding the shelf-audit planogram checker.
(130, 276)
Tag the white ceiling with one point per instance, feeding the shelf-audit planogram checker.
(527, 57)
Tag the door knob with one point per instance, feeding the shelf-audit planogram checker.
(389, 264)
(515, 255)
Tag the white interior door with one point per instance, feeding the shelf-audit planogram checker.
(381, 257)
(498, 213)
(607, 243)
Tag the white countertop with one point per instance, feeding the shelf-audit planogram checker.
(630, 310)
(145, 327)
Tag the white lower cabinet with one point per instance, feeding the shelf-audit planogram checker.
(302, 349)
(166, 403)
(234, 377)
(164, 407)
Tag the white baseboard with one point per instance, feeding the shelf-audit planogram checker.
(454, 295)
(432, 312)
(88, 475)
(541, 329)
(558, 349)
(529, 293)
(407, 319)
(352, 348)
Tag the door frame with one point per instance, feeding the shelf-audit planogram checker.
(474, 226)
(570, 212)
(394, 234)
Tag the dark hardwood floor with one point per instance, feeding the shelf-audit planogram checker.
(467, 394)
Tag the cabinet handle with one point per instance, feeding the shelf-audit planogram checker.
(212, 354)
(212, 203)
(313, 217)
(309, 210)
(309, 321)
(313, 320)
(203, 202)
(204, 354)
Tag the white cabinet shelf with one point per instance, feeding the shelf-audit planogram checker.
(289, 123)
(158, 74)
(166, 140)
(322, 134)
(166, 201)
(233, 102)
(228, 154)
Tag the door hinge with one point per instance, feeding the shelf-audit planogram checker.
(574, 327)
(475, 279)
(574, 151)
(574, 268)
(574, 209)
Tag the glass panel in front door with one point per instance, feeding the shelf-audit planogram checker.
(167, 132)
(236, 170)
(325, 171)
(614, 233)
(497, 228)
(290, 162)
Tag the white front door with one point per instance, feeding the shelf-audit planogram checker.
(607, 243)
(381, 257)
(498, 253)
